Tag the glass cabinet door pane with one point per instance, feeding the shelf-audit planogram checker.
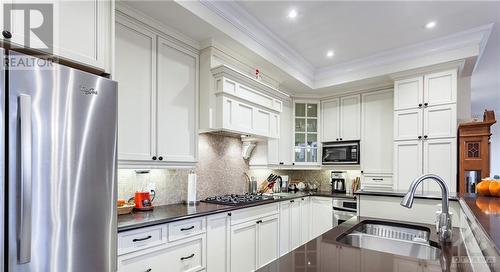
(300, 154)
(312, 140)
(300, 139)
(312, 155)
(300, 124)
(312, 110)
(312, 125)
(300, 109)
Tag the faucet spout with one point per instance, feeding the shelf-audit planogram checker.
(444, 226)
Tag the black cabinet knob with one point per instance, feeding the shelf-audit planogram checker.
(293, 163)
(425, 136)
(229, 214)
(160, 158)
(341, 139)
(419, 137)
(337, 139)
(154, 158)
(6, 34)
(361, 171)
(420, 105)
(281, 163)
(426, 104)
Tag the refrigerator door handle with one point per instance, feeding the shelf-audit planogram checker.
(26, 179)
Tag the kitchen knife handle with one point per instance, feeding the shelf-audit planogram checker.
(26, 179)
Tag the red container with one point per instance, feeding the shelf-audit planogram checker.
(143, 201)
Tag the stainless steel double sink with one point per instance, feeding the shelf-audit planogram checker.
(394, 238)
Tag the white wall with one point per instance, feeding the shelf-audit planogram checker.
(485, 91)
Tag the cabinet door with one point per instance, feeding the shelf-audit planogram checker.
(268, 245)
(407, 163)
(84, 31)
(218, 242)
(440, 88)
(136, 124)
(262, 122)
(273, 151)
(284, 235)
(350, 118)
(408, 93)
(377, 132)
(244, 247)
(286, 135)
(295, 224)
(440, 121)
(330, 120)
(408, 124)
(176, 103)
(322, 215)
(305, 214)
(350, 259)
(440, 158)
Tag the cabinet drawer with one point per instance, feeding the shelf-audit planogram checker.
(377, 180)
(185, 257)
(253, 213)
(134, 240)
(185, 228)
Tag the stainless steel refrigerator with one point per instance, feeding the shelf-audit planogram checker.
(58, 159)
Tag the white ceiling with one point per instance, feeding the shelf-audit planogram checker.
(356, 30)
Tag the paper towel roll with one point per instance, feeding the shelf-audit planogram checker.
(191, 188)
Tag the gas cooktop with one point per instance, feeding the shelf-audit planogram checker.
(235, 200)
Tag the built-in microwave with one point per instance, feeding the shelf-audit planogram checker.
(340, 153)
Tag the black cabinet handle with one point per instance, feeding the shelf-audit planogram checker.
(291, 201)
(281, 163)
(160, 158)
(361, 171)
(6, 34)
(337, 139)
(187, 257)
(419, 137)
(190, 228)
(229, 214)
(379, 179)
(425, 136)
(141, 239)
(420, 105)
(302, 198)
(258, 222)
(154, 158)
(293, 163)
(149, 270)
(426, 104)
(341, 139)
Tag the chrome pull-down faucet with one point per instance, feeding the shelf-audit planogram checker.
(444, 226)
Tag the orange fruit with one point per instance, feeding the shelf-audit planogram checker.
(494, 188)
(483, 188)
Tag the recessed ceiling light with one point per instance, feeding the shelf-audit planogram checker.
(292, 14)
(330, 53)
(430, 25)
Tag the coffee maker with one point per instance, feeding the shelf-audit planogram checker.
(338, 181)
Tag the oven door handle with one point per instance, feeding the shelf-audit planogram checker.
(343, 210)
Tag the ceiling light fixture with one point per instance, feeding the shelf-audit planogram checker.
(330, 53)
(430, 25)
(292, 14)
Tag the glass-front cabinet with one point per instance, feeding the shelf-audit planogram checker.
(306, 119)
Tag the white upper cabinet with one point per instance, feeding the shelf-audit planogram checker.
(330, 110)
(408, 124)
(408, 93)
(306, 115)
(137, 93)
(350, 117)
(440, 121)
(376, 131)
(440, 88)
(82, 31)
(279, 150)
(341, 119)
(157, 106)
(177, 76)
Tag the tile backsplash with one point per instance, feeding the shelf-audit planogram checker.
(220, 170)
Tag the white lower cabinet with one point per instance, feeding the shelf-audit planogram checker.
(305, 219)
(244, 247)
(267, 240)
(321, 215)
(294, 224)
(218, 242)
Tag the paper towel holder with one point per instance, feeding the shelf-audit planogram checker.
(191, 203)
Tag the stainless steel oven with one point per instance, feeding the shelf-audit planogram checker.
(340, 153)
(343, 210)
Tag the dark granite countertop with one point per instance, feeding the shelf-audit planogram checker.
(326, 254)
(401, 193)
(175, 212)
(484, 211)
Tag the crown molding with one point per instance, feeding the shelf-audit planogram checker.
(232, 19)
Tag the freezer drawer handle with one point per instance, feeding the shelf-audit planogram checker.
(190, 228)
(187, 257)
(141, 239)
(26, 181)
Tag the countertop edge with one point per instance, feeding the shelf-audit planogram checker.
(401, 195)
(226, 209)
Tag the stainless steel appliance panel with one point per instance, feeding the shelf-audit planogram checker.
(62, 170)
(340, 153)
